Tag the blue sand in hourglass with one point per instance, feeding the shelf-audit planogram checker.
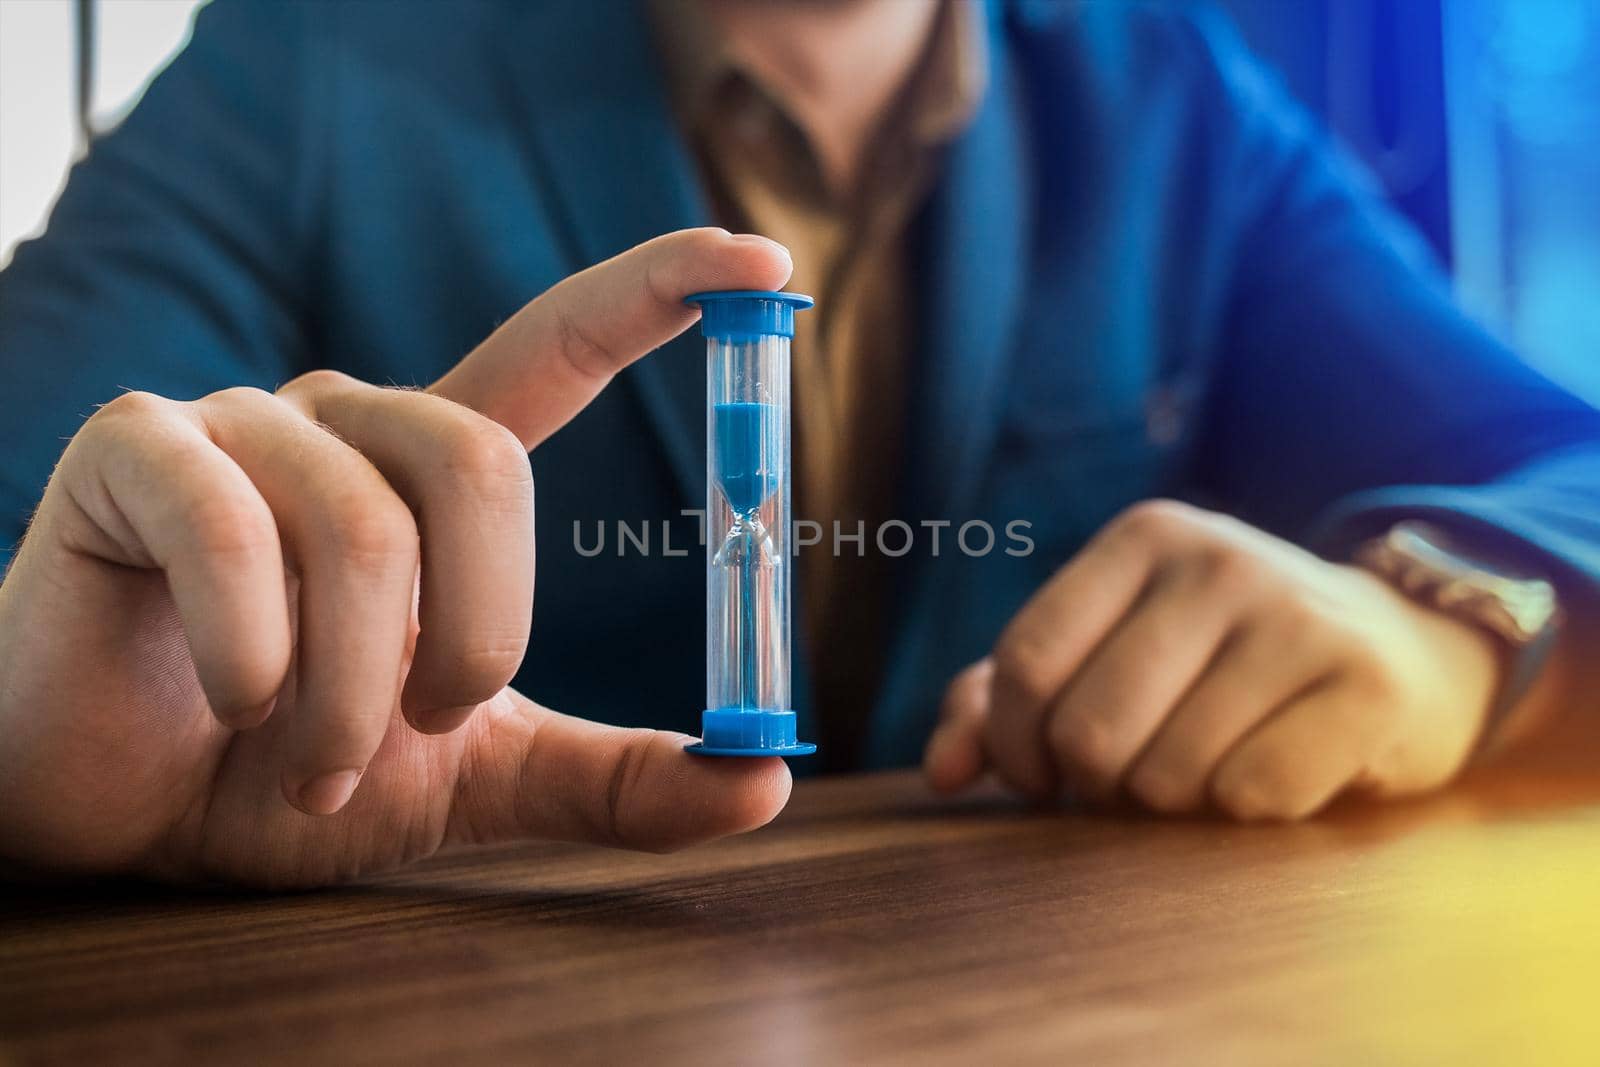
(745, 471)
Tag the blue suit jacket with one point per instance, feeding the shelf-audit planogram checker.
(1142, 272)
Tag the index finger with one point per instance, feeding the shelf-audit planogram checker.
(1046, 642)
(954, 757)
(549, 360)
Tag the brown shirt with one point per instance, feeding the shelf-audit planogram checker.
(851, 357)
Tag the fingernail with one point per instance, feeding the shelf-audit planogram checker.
(945, 762)
(250, 718)
(756, 238)
(439, 720)
(327, 793)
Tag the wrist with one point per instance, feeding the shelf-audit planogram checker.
(1471, 662)
(1513, 616)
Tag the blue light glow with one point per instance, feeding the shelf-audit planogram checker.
(1523, 81)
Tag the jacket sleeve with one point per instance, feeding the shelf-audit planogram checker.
(1349, 390)
(174, 260)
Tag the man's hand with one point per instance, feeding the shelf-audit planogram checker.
(227, 612)
(1186, 659)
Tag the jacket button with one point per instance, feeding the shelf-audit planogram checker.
(1163, 415)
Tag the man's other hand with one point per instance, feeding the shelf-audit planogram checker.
(1186, 660)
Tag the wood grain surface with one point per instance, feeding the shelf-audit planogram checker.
(874, 923)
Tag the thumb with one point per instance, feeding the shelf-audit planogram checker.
(954, 757)
(532, 773)
(549, 360)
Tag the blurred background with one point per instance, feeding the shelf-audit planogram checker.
(1480, 117)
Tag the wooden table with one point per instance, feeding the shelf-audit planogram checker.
(875, 923)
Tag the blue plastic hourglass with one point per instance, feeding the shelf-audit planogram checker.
(748, 558)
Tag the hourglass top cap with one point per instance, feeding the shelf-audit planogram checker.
(746, 314)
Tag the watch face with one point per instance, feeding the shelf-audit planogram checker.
(1413, 557)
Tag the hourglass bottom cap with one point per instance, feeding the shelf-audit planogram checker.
(742, 732)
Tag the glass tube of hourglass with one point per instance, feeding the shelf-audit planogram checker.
(748, 575)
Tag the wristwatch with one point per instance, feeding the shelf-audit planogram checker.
(1520, 611)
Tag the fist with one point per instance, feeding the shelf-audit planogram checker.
(1185, 660)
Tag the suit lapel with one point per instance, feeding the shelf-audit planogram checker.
(588, 85)
(974, 283)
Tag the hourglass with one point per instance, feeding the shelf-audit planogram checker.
(748, 556)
